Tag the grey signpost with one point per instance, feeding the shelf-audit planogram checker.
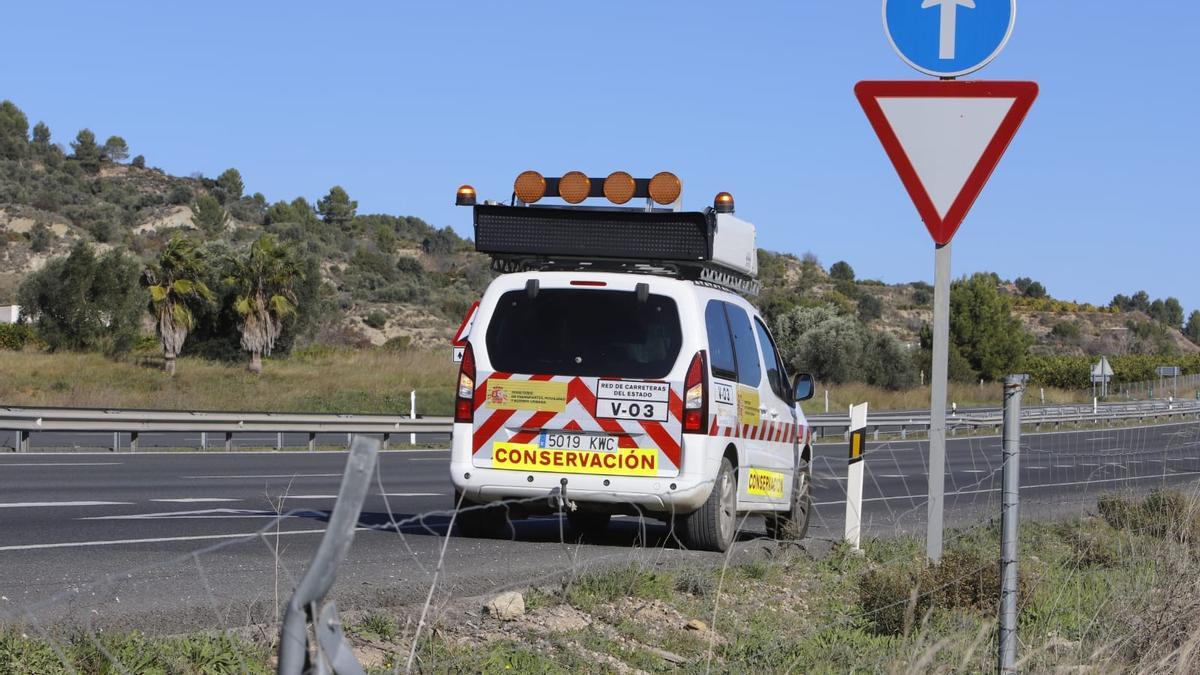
(945, 137)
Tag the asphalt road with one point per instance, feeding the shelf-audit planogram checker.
(166, 541)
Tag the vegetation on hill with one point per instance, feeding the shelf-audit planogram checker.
(89, 245)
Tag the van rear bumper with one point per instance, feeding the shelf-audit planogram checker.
(679, 494)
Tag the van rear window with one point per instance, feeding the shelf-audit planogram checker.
(584, 332)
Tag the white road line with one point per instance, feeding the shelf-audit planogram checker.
(386, 494)
(1124, 479)
(1064, 466)
(220, 514)
(28, 505)
(1087, 464)
(191, 500)
(1099, 438)
(5, 464)
(972, 471)
(157, 540)
(274, 475)
(893, 475)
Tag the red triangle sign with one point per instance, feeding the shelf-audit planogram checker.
(945, 138)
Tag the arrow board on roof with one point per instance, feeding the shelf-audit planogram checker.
(945, 138)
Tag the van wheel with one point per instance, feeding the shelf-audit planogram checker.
(711, 527)
(588, 522)
(474, 519)
(793, 525)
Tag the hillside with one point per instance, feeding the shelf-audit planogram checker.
(377, 279)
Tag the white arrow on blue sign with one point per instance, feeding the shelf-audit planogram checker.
(948, 38)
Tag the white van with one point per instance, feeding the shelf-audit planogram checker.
(619, 392)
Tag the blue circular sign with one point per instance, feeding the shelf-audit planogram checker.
(948, 38)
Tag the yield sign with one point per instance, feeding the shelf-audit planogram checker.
(945, 138)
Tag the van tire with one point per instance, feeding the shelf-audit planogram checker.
(588, 522)
(478, 521)
(792, 525)
(713, 525)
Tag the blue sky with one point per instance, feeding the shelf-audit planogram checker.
(401, 102)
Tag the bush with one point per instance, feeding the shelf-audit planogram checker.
(39, 238)
(841, 271)
(1164, 514)
(400, 343)
(14, 336)
(375, 319)
(897, 596)
(1067, 331)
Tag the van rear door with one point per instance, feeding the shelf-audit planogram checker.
(579, 383)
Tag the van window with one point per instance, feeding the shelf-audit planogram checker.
(776, 374)
(720, 344)
(584, 332)
(748, 370)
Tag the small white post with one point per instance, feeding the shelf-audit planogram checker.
(854, 479)
(203, 440)
(1043, 390)
(1095, 405)
(826, 400)
(412, 414)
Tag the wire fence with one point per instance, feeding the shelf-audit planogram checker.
(1110, 544)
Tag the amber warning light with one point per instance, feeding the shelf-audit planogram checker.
(465, 196)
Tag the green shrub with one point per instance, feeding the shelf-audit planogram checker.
(399, 343)
(1165, 514)
(15, 336)
(375, 319)
(897, 596)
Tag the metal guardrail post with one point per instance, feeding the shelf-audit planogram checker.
(386, 439)
(133, 441)
(228, 441)
(279, 440)
(312, 441)
(22, 441)
(116, 444)
(1014, 386)
(332, 653)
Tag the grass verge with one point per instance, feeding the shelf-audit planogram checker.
(323, 380)
(1116, 592)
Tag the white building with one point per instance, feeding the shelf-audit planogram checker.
(10, 313)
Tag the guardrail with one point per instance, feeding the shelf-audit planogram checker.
(27, 421)
(905, 422)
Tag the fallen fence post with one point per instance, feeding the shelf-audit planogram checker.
(332, 652)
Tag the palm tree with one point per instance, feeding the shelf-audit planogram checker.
(174, 281)
(264, 278)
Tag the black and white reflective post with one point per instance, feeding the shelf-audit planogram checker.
(944, 138)
(854, 478)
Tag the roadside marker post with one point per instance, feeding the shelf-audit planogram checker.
(945, 138)
(854, 478)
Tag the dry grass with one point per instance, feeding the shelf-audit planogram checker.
(842, 396)
(364, 381)
(369, 381)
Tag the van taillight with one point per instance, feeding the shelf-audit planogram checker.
(464, 401)
(695, 397)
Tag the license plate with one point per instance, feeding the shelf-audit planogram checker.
(552, 440)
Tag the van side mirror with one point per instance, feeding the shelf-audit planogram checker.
(803, 387)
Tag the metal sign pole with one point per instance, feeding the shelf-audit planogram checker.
(937, 400)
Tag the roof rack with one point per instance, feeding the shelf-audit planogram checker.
(715, 249)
